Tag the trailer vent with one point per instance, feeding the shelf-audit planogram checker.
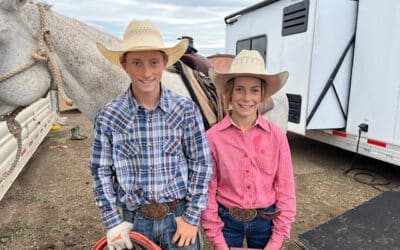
(295, 18)
(294, 108)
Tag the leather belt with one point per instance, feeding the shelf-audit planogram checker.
(243, 215)
(157, 211)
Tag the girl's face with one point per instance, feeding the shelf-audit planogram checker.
(246, 97)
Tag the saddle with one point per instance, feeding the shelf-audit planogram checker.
(197, 62)
(202, 90)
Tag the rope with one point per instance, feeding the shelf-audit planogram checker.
(51, 60)
(16, 130)
(44, 53)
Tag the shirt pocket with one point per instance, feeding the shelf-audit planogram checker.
(172, 157)
(265, 162)
(172, 146)
(124, 148)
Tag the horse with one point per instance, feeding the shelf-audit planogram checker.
(42, 50)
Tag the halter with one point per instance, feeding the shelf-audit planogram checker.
(44, 53)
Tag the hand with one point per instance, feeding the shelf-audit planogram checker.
(118, 236)
(185, 234)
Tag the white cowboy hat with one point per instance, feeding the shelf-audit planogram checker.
(249, 63)
(143, 35)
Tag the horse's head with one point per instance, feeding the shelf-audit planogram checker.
(18, 41)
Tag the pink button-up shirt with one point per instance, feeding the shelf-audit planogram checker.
(251, 170)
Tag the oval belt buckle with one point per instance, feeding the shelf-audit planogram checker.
(243, 214)
(155, 211)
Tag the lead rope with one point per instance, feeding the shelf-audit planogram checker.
(44, 53)
(16, 130)
(51, 60)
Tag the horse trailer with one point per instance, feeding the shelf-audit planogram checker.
(342, 57)
(36, 121)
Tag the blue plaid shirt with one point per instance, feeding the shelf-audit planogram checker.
(157, 155)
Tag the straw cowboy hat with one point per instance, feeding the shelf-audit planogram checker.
(143, 35)
(249, 63)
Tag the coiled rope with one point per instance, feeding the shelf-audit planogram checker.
(16, 130)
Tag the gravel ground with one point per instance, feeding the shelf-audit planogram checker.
(51, 205)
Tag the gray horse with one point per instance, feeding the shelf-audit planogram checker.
(39, 50)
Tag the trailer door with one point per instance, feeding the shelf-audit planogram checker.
(311, 39)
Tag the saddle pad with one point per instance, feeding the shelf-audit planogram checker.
(375, 224)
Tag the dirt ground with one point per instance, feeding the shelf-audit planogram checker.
(51, 204)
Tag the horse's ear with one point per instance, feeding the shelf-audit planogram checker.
(12, 4)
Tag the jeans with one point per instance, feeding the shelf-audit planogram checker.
(257, 231)
(159, 231)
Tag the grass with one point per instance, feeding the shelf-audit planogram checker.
(62, 228)
(38, 197)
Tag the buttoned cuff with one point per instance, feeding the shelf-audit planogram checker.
(111, 218)
(192, 216)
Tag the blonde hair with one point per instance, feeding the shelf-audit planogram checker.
(228, 91)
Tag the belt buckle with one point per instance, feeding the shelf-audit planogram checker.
(243, 214)
(155, 211)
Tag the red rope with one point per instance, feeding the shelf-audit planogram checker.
(137, 239)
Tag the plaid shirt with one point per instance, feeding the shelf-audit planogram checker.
(157, 155)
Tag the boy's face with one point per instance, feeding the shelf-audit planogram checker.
(145, 70)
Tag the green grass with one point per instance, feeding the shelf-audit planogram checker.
(38, 197)
(62, 228)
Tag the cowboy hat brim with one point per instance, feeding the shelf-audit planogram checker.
(274, 82)
(173, 53)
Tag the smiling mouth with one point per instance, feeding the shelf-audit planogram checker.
(146, 82)
(246, 106)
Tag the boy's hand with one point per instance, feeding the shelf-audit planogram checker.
(185, 234)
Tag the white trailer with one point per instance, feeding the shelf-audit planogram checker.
(343, 59)
(36, 121)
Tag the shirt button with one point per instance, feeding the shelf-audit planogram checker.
(247, 171)
(245, 155)
(248, 187)
(148, 120)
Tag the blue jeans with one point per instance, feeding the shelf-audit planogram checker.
(257, 232)
(159, 231)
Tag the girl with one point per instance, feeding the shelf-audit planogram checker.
(251, 194)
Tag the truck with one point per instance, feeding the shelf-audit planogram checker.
(342, 57)
(36, 121)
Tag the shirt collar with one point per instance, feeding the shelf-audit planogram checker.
(163, 103)
(227, 122)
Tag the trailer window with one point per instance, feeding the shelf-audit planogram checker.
(241, 45)
(258, 43)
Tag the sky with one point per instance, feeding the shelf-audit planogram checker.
(201, 19)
